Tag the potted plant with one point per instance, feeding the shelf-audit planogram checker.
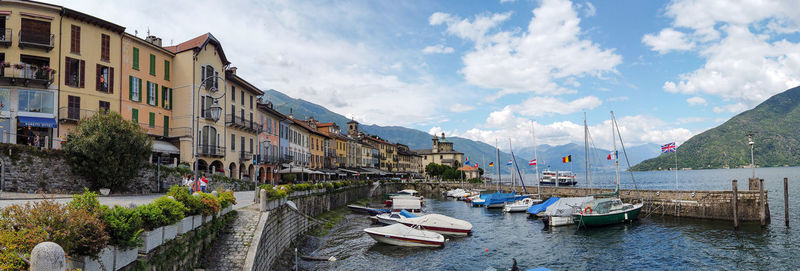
(210, 206)
(173, 213)
(153, 222)
(123, 226)
(86, 238)
(105, 191)
(184, 195)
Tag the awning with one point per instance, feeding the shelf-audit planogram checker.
(38, 122)
(164, 147)
(348, 171)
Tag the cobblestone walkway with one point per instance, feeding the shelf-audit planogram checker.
(230, 249)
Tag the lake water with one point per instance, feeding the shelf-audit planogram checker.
(651, 243)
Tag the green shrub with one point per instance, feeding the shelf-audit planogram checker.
(209, 203)
(329, 186)
(152, 216)
(226, 199)
(172, 209)
(86, 201)
(14, 243)
(184, 195)
(123, 226)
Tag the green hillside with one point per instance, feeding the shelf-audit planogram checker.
(775, 123)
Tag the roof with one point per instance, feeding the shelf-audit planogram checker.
(200, 42)
(92, 20)
(303, 124)
(250, 87)
(268, 108)
(429, 151)
(378, 140)
(468, 168)
(146, 43)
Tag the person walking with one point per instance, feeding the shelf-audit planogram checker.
(29, 135)
(36, 141)
(203, 183)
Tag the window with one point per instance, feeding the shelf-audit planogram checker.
(166, 70)
(104, 106)
(242, 114)
(166, 126)
(35, 101)
(233, 113)
(208, 72)
(233, 94)
(75, 40)
(251, 102)
(242, 143)
(242, 95)
(233, 142)
(105, 79)
(35, 31)
(73, 107)
(135, 89)
(152, 64)
(75, 72)
(105, 47)
(152, 120)
(135, 58)
(205, 104)
(166, 97)
(135, 115)
(152, 93)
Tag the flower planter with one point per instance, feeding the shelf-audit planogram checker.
(152, 239)
(105, 191)
(227, 209)
(207, 218)
(104, 261)
(124, 257)
(197, 220)
(185, 225)
(171, 231)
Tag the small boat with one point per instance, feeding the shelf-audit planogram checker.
(367, 210)
(498, 200)
(402, 235)
(560, 212)
(606, 211)
(478, 202)
(410, 203)
(439, 223)
(520, 205)
(454, 192)
(392, 218)
(541, 207)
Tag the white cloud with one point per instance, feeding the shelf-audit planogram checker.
(459, 108)
(588, 9)
(437, 49)
(618, 99)
(534, 60)
(507, 1)
(691, 120)
(543, 106)
(667, 40)
(437, 131)
(747, 59)
(696, 100)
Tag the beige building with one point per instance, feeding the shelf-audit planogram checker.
(441, 152)
(241, 121)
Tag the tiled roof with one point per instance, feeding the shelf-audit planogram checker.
(199, 42)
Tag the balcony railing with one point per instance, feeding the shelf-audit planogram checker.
(212, 150)
(240, 122)
(245, 155)
(26, 74)
(74, 114)
(35, 39)
(155, 130)
(5, 37)
(180, 132)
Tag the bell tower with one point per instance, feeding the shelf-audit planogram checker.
(352, 128)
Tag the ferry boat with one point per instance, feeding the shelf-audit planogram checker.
(565, 178)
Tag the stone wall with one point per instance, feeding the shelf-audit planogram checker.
(279, 227)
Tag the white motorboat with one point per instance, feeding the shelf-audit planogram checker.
(410, 203)
(392, 218)
(454, 192)
(557, 221)
(439, 223)
(410, 192)
(402, 235)
(520, 205)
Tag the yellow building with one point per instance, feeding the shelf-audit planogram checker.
(241, 122)
(316, 143)
(90, 64)
(441, 152)
(146, 94)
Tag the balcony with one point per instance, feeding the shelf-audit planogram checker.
(180, 132)
(5, 37)
(26, 75)
(212, 151)
(245, 155)
(286, 159)
(34, 39)
(72, 114)
(240, 122)
(157, 131)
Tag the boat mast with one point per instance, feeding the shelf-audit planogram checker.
(499, 179)
(586, 147)
(536, 157)
(616, 159)
(513, 180)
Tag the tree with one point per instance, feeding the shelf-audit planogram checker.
(480, 171)
(108, 150)
(433, 169)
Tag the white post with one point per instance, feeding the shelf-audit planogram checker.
(48, 256)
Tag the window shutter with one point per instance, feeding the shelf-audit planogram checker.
(166, 125)
(148, 93)
(163, 96)
(152, 119)
(155, 93)
(111, 80)
(135, 58)
(83, 73)
(166, 70)
(130, 87)
(140, 90)
(170, 99)
(202, 73)
(135, 115)
(202, 106)
(152, 64)
(216, 80)
(67, 80)
(99, 75)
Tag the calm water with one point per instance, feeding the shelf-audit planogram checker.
(652, 243)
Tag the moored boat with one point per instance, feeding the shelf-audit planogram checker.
(402, 235)
(606, 211)
(520, 205)
(367, 210)
(392, 218)
(439, 223)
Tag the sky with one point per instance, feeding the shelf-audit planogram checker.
(499, 70)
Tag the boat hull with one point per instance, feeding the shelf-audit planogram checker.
(514, 208)
(441, 230)
(598, 220)
(558, 221)
(403, 241)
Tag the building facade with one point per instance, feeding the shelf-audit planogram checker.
(269, 150)
(441, 152)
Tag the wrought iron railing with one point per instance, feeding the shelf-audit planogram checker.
(43, 40)
(5, 36)
(211, 150)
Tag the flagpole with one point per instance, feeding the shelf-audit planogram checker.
(536, 158)
(676, 169)
(497, 153)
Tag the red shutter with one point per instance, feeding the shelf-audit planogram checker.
(99, 75)
(111, 80)
(67, 80)
(83, 73)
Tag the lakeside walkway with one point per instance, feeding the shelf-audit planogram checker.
(243, 199)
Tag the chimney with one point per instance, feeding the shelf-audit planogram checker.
(232, 69)
(153, 40)
(442, 135)
(291, 115)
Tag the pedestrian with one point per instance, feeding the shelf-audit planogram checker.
(185, 181)
(203, 183)
(192, 183)
(30, 136)
(36, 141)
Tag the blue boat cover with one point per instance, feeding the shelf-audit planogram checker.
(495, 198)
(538, 208)
(538, 269)
(407, 213)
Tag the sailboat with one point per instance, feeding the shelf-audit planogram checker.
(611, 210)
(498, 199)
(528, 201)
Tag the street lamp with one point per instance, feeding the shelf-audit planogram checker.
(752, 161)
(214, 112)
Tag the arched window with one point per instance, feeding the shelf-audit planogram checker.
(209, 140)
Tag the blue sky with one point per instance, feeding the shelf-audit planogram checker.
(489, 70)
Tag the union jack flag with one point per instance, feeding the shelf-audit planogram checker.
(669, 147)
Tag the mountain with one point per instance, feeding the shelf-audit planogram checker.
(415, 139)
(775, 124)
(551, 156)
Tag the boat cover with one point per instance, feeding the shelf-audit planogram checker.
(538, 208)
(407, 213)
(567, 206)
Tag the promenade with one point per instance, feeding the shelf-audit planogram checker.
(243, 199)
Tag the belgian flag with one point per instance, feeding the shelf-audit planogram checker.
(566, 159)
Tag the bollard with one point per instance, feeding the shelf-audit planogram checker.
(263, 200)
(762, 203)
(255, 197)
(786, 199)
(48, 256)
(735, 204)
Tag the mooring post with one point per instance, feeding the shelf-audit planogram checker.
(786, 199)
(735, 204)
(263, 199)
(762, 213)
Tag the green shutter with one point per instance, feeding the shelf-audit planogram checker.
(163, 96)
(140, 90)
(152, 64)
(135, 115)
(130, 87)
(135, 58)
(152, 119)
(155, 93)
(166, 126)
(170, 99)
(166, 70)
(148, 93)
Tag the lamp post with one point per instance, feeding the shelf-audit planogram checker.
(214, 112)
(752, 161)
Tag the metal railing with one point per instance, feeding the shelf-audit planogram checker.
(74, 114)
(42, 40)
(5, 36)
(240, 122)
(211, 150)
(245, 155)
(155, 130)
(27, 73)
(180, 132)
